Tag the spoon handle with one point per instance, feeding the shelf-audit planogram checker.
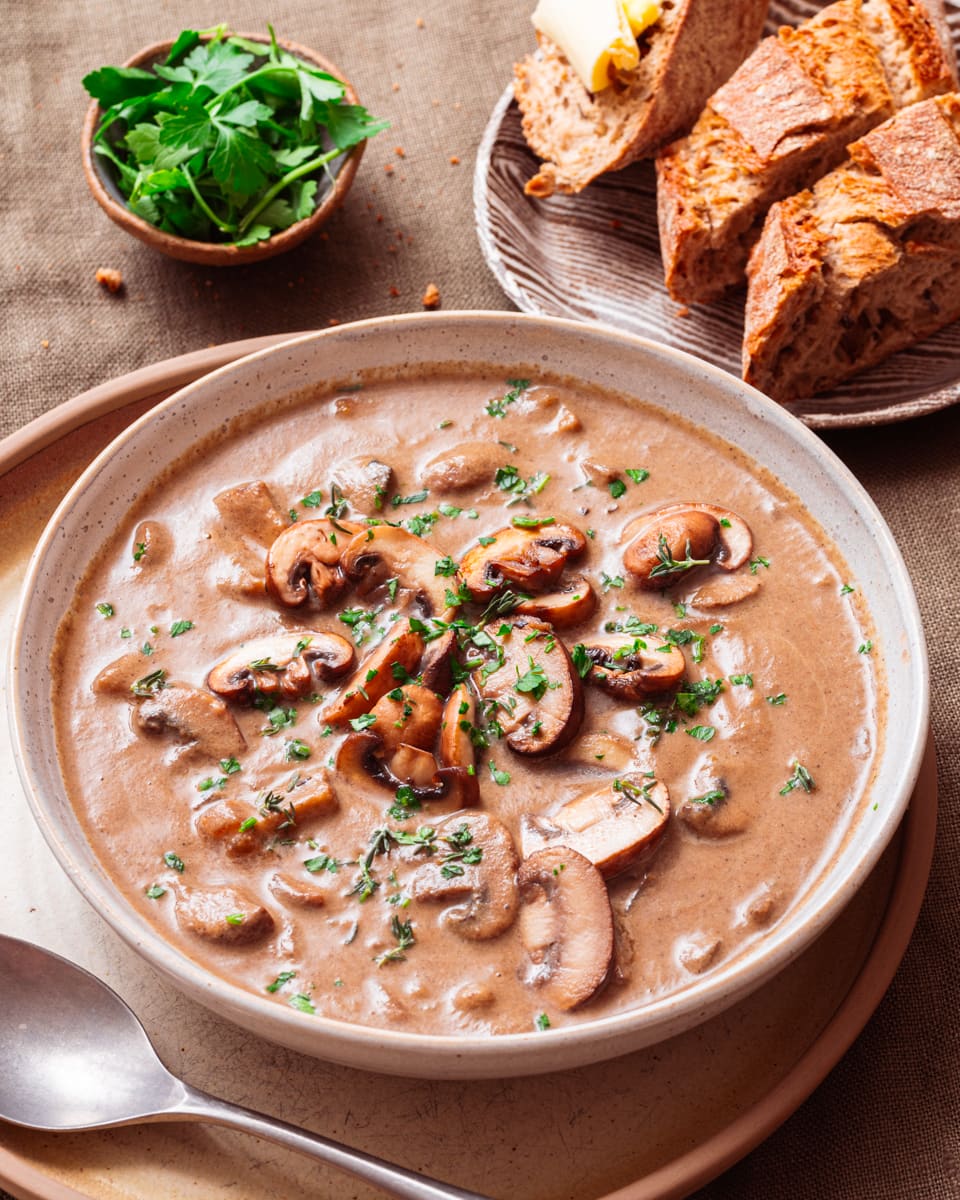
(394, 1180)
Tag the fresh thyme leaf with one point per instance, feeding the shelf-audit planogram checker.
(498, 407)
(502, 778)
(105, 609)
(668, 565)
(228, 140)
(801, 778)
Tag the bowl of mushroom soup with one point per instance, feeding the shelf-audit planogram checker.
(538, 693)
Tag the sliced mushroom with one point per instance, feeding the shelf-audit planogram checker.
(530, 560)
(604, 750)
(374, 677)
(612, 825)
(469, 465)
(289, 666)
(248, 512)
(118, 677)
(364, 481)
(249, 522)
(228, 915)
(632, 670)
(409, 714)
(242, 828)
(724, 590)
(415, 767)
(230, 823)
(298, 893)
(573, 602)
(303, 563)
(486, 892)
(457, 751)
(385, 552)
(531, 686)
(566, 925)
(436, 665)
(667, 544)
(152, 544)
(194, 717)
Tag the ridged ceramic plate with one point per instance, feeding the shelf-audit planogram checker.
(596, 257)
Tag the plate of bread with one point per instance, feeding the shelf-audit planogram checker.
(776, 190)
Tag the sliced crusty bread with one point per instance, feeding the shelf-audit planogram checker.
(690, 50)
(865, 264)
(784, 119)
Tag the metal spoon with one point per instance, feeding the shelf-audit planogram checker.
(73, 1056)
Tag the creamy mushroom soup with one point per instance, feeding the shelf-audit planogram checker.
(466, 704)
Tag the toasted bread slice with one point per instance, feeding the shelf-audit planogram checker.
(864, 264)
(693, 47)
(784, 119)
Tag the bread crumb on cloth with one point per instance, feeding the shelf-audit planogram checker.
(109, 278)
(431, 296)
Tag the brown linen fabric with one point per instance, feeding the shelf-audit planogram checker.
(885, 1124)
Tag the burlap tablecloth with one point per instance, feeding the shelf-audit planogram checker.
(887, 1121)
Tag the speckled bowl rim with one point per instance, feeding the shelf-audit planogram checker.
(220, 254)
(389, 340)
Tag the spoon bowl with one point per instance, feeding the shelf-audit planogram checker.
(73, 1056)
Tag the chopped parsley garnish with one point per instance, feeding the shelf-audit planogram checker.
(414, 498)
(403, 932)
(498, 407)
(509, 479)
(534, 680)
(757, 563)
(139, 550)
(610, 581)
(105, 609)
(296, 750)
(229, 766)
(281, 979)
(703, 733)
(445, 566)
(637, 474)
(236, 918)
(155, 891)
(302, 1003)
(865, 647)
(801, 778)
(617, 488)
(542, 1021)
(745, 680)
(710, 798)
(150, 683)
(525, 523)
(278, 719)
(179, 627)
(847, 589)
(501, 778)
(667, 564)
(581, 660)
(174, 861)
(363, 722)
(778, 699)
(322, 862)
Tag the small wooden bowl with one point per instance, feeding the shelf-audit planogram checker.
(215, 254)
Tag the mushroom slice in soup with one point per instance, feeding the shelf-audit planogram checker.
(303, 563)
(530, 560)
(630, 669)
(570, 604)
(228, 915)
(612, 825)
(478, 872)
(194, 717)
(456, 751)
(529, 685)
(375, 676)
(566, 925)
(363, 481)
(288, 665)
(384, 552)
(665, 545)
(410, 714)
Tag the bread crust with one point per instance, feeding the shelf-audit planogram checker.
(821, 86)
(690, 50)
(862, 265)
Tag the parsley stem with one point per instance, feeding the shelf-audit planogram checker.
(270, 68)
(205, 207)
(270, 194)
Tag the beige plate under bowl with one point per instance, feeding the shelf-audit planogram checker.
(511, 345)
(596, 257)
